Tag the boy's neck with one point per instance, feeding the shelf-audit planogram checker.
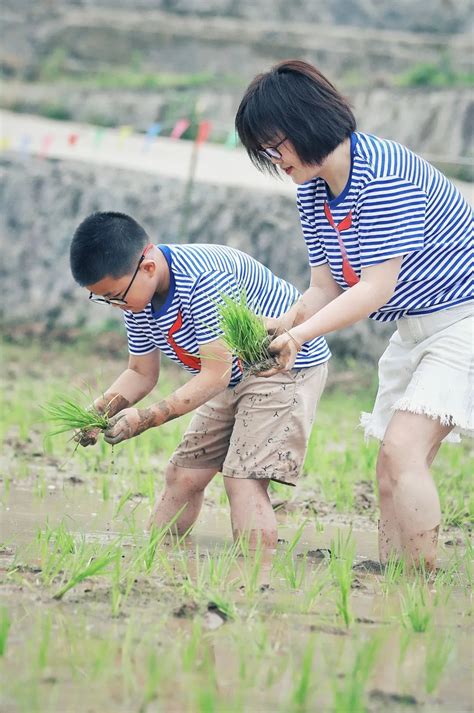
(162, 277)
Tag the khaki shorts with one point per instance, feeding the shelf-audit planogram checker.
(258, 429)
(428, 368)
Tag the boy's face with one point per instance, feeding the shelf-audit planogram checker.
(134, 291)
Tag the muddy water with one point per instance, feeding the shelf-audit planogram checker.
(394, 683)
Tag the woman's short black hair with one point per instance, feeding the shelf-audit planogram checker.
(295, 101)
(105, 245)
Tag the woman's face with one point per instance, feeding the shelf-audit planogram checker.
(291, 164)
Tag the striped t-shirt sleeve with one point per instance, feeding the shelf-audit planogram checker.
(315, 252)
(204, 301)
(392, 214)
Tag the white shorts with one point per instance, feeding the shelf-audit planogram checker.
(428, 369)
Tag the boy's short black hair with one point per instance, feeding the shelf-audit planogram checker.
(105, 244)
(295, 101)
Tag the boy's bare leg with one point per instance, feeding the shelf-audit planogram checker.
(410, 512)
(251, 511)
(184, 486)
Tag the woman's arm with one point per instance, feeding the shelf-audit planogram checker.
(322, 290)
(376, 287)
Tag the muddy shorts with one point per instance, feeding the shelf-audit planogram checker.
(258, 429)
(428, 369)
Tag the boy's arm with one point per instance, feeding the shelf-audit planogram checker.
(133, 384)
(322, 290)
(214, 377)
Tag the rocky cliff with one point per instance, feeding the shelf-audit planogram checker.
(42, 201)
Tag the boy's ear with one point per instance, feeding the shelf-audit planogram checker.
(149, 266)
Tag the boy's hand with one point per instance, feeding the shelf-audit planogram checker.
(128, 423)
(87, 438)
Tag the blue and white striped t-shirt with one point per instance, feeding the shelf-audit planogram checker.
(394, 203)
(199, 275)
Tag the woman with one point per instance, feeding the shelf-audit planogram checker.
(390, 238)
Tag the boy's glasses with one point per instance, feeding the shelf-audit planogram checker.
(271, 152)
(120, 300)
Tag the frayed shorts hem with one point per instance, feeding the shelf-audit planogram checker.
(377, 431)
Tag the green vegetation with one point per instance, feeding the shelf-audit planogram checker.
(68, 415)
(105, 612)
(439, 74)
(244, 333)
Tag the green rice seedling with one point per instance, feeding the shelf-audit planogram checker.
(122, 584)
(439, 648)
(292, 570)
(349, 692)
(244, 333)
(87, 565)
(340, 566)
(393, 572)
(67, 415)
(313, 588)
(153, 677)
(301, 690)
(5, 624)
(55, 546)
(146, 555)
(190, 649)
(43, 641)
(250, 566)
(406, 637)
(416, 613)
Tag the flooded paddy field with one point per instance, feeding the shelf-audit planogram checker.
(98, 614)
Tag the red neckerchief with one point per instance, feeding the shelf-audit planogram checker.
(348, 273)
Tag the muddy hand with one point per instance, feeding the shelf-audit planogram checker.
(87, 438)
(128, 423)
(285, 349)
(273, 326)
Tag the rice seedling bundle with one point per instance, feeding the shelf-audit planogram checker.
(245, 334)
(67, 415)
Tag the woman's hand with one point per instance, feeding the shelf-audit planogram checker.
(129, 423)
(285, 349)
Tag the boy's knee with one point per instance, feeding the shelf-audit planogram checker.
(180, 479)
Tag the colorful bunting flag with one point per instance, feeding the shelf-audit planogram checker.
(179, 128)
(124, 133)
(232, 139)
(46, 145)
(203, 132)
(152, 132)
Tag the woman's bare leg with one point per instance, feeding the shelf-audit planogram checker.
(409, 504)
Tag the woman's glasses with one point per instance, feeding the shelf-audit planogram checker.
(271, 152)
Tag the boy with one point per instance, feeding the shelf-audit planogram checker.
(252, 430)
